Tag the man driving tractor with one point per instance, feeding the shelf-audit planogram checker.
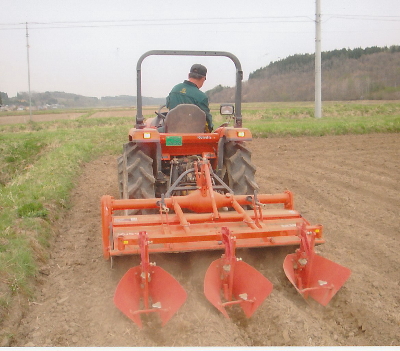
(189, 92)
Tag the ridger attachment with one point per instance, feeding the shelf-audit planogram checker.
(148, 289)
(235, 281)
(193, 222)
(313, 275)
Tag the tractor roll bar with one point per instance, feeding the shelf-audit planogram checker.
(239, 78)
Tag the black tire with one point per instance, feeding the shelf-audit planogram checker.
(135, 174)
(238, 172)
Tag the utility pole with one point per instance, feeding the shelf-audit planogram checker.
(29, 74)
(318, 79)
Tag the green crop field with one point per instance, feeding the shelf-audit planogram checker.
(40, 162)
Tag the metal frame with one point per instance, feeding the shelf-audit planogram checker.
(239, 78)
(200, 227)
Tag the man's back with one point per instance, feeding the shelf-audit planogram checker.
(185, 93)
(188, 93)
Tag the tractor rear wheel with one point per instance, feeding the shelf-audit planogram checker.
(238, 171)
(135, 174)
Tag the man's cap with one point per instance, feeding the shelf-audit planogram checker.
(199, 69)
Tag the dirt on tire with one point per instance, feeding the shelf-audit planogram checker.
(350, 184)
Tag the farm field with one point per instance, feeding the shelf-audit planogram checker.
(348, 183)
(70, 115)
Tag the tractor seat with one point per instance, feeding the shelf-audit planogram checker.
(185, 118)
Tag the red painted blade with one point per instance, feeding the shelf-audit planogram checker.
(213, 286)
(128, 293)
(248, 280)
(249, 286)
(167, 295)
(325, 278)
(167, 291)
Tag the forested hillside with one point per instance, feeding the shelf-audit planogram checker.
(370, 74)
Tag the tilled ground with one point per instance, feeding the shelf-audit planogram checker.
(350, 184)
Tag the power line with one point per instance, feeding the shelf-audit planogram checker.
(142, 24)
(158, 22)
(187, 21)
(209, 19)
(364, 18)
(164, 20)
(374, 17)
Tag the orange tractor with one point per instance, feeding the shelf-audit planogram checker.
(185, 190)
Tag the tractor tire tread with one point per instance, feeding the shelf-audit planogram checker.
(137, 180)
(239, 171)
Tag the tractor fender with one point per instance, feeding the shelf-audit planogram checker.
(150, 137)
(228, 134)
(236, 134)
(145, 135)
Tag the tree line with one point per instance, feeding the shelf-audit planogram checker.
(59, 99)
(347, 74)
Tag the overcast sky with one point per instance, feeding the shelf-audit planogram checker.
(91, 47)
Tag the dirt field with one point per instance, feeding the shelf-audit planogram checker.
(350, 184)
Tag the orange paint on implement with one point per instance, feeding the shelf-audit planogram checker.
(201, 221)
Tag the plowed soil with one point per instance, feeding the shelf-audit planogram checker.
(350, 184)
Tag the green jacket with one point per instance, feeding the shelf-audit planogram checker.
(188, 93)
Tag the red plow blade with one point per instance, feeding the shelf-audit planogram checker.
(148, 289)
(313, 275)
(235, 281)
